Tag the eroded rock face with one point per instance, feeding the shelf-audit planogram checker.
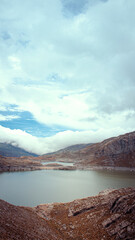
(119, 151)
(114, 152)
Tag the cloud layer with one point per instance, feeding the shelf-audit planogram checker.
(70, 64)
(58, 141)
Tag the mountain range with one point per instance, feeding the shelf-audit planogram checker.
(69, 149)
(8, 150)
(113, 152)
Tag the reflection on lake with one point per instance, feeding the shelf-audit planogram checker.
(46, 186)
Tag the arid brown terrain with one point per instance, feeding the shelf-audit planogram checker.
(10, 164)
(108, 216)
(113, 152)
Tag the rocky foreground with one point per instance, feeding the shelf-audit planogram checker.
(110, 215)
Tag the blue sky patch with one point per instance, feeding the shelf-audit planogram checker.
(25, 121)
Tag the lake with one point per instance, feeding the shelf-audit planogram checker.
(46, 186)
(61, 163)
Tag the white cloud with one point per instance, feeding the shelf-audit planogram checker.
(75, 71)
(58, 141)
(15, 63)
(8, 117)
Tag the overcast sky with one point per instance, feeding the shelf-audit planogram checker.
(67, 71)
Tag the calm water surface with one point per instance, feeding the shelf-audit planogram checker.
(46, 186)
(61, 163)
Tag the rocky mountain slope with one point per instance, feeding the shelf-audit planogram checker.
(108, 216)
(67, 154)
(8, 150)
(70, 149)
(113, 152)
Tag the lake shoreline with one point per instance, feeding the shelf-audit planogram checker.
(66, 168)
(107, 168)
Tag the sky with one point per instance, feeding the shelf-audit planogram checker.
(67, 73)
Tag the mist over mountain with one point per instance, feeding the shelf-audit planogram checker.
(8, 150)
